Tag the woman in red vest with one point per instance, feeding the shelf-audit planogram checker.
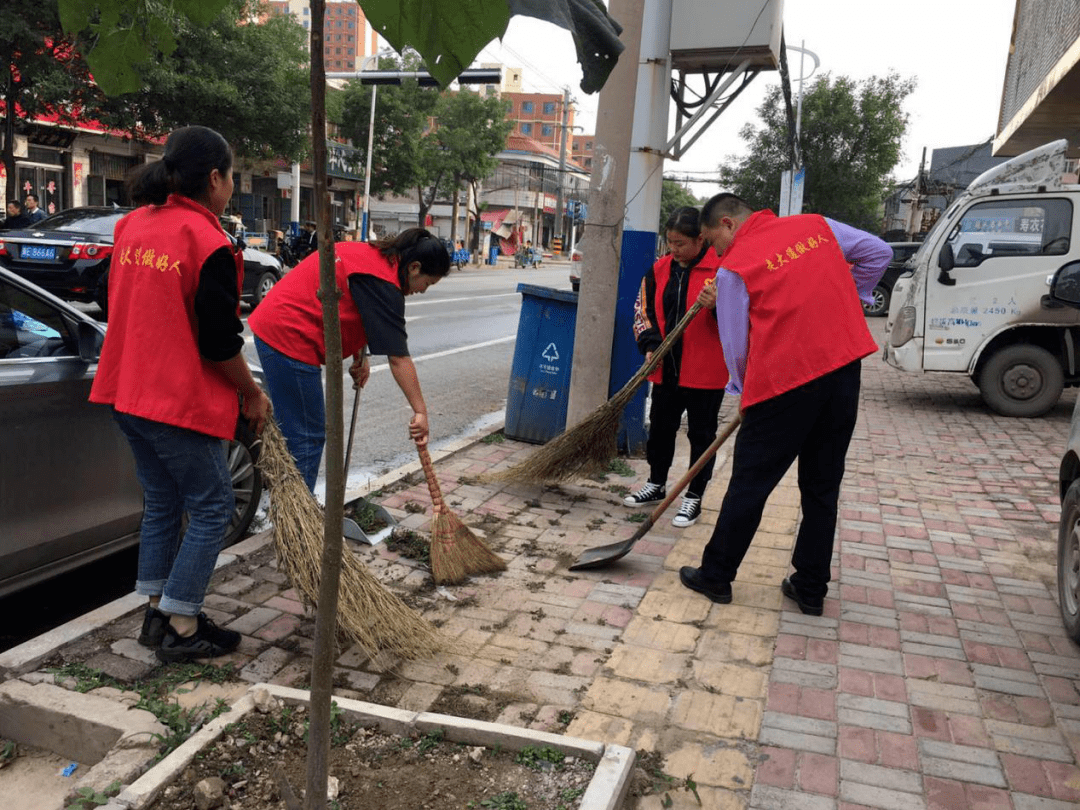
(788, 306)
(692, 376)
(374, 278)
(172, 369)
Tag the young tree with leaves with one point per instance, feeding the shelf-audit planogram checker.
(851, 135)
(470, 129)
(674, 195)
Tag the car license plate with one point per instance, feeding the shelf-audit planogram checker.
(39, 252)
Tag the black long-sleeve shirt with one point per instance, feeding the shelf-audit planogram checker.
(216, 300)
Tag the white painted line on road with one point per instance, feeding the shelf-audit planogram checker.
(414, 303)
(458, 350)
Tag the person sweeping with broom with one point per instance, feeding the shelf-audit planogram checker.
(374, 278)
(172, 369)
(693, 375)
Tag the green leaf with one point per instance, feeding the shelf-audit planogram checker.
(449, 34)
(74, 15)
(113, 62)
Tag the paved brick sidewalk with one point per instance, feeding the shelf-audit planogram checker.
(938, 678)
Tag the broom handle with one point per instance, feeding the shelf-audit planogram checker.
(695, 468)
(432, 481)
(659, 352)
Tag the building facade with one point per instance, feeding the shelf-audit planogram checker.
(347, 35)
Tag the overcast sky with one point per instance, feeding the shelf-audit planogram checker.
(955, 49)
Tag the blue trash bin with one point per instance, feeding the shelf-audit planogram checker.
(540, 374)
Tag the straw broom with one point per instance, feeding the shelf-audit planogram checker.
(370, 615)
(455, 551)
(589, 446)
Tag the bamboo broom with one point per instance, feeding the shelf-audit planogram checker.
(589, 446)
(455, 551)
(370, 615)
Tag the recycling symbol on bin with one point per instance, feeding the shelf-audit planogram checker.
(551, 354)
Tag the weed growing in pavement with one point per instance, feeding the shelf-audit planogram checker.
(8, 752)
(87, 797)
(637, 517)
(430, 740)
(154, 692)
(412, 507)
(503, 801)
(494, 438)
(660, 782)
(409, 544)
(533, 757)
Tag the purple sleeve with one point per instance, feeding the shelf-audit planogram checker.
(733, 320)
(869, 255)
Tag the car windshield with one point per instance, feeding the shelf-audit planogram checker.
(101, 222)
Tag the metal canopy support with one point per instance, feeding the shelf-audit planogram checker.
(675, 149)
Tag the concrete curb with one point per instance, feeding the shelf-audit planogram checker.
(606, 791)
(28, 655)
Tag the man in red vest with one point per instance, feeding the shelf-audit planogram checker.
(793, 332)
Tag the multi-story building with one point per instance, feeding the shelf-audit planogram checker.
(582, 151)
(347, 35)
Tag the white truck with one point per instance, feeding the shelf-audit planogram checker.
(994, 289)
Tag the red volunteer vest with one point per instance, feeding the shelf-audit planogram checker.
(290, 318)
(702, 358)
(150, 364)
(805, 316)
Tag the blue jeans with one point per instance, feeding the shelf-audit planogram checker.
(296, 391)
(180, 471)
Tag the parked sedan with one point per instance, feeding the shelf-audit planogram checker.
(68, 490)
(68, 254)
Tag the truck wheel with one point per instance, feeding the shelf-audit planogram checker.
(1068, 561)
(265, 283)
(879, 306)
(1021, 380)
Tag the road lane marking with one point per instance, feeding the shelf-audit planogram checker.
(414, 303)
(447, 352)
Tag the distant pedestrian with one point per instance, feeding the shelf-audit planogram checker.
(791, 324)
(373, 278)
(32, 211)
(692, 377)
(15, 217)
(173, 370)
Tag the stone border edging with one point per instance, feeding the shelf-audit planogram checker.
(606, 791)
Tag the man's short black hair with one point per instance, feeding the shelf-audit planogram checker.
(724, 205)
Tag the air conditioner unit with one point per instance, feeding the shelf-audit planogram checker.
(713, 36)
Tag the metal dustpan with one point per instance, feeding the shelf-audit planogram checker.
(603, 555)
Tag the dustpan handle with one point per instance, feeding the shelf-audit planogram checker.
(429, 474)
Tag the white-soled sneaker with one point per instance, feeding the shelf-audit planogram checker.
(688, 513)
(646, 496)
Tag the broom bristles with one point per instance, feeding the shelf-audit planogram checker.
(370, 615)
(456, 552)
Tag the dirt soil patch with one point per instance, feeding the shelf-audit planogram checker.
(380, 770)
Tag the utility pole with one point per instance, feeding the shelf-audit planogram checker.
(562, 167)
(591, 373)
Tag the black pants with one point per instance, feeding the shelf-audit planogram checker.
(702, 407)
(813, 423)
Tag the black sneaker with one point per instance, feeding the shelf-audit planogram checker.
(692, 578)
(646, 496)
(208, 641)
(688, 513)
(153, 627)
(811, 607)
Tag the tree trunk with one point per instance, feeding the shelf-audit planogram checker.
(322, 658)
(10, 190)
(455, 209)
